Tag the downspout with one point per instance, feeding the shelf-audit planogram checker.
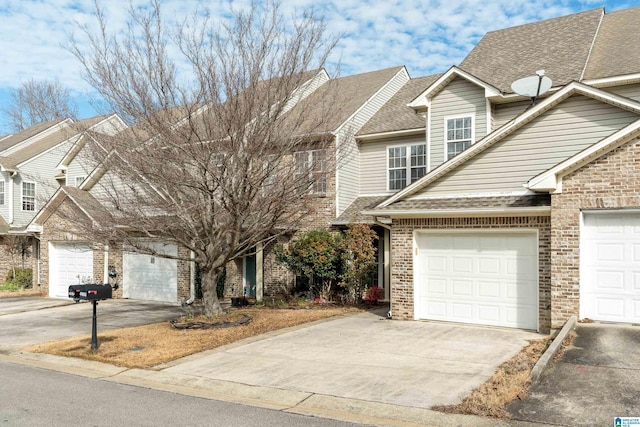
(192, 282)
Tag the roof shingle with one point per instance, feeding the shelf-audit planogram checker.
(395, 115)
(560, 46)
(616, 50)
(462, 203)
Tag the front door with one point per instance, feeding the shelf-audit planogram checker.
(250, 275)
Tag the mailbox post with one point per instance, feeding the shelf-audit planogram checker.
(93, 293)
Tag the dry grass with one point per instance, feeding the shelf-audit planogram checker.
(22, 293)
(510, 382)
(151, 345)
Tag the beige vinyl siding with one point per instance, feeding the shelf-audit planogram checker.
(40, 170)
(460, 97)
(373, 163)
(630, 91)
(110, 126)
(348, 173)
(551, 138)
(506, 112)
(109, 187)
(81, 165)
(317, 81)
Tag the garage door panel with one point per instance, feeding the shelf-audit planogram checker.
(488, 289)
(610, 266)
(462, 311)
(478, 278)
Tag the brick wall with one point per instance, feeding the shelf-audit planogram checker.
(612, 181)
(402, 295)
(58, 228)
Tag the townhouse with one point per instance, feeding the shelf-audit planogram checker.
(491, 209)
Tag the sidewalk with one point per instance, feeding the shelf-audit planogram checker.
(351, 410)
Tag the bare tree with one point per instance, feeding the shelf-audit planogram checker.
(38, 101)
(210, 161)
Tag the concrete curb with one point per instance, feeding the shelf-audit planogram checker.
(552, 350)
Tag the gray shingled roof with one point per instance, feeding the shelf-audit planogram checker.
(12, 161)
(329, 106)
(88, 203)
(462, 203)
(617, 47)
(353, 214)
(26, 134)
(560, 46)
(395, 115)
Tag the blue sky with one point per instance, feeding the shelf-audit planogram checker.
(427, 36)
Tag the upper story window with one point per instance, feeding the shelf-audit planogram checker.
(28, 196)
(406, 164)
(79, 180)
(458, 134)
(1, 192)
(314, 163)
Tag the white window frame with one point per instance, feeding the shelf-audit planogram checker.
(3, 191)
(318, 177)
(407, 165)
(445, 133)
(23, 197)
(81, 178)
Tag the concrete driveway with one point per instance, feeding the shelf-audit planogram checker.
(29, 322)
(366, 357)
(595, 381)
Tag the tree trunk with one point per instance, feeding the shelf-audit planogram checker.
(210, 300)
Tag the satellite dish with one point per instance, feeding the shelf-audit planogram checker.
(533, 86)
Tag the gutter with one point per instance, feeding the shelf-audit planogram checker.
(439, 213)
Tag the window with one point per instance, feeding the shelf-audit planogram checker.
(312, 165)
(28, 196)
(459, 135)
(406, 165)
(79, 180)
(1, 192)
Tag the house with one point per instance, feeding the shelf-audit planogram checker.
(354, 99)
(64, 254)
(490, 209)
(28, 174)
(525, 214)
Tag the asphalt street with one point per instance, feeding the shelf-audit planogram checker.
(38, 397)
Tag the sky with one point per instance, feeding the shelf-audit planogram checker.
(427, 36)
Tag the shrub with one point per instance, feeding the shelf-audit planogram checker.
(358, 259)
(372, 295)
(316, 256)
(20, 278)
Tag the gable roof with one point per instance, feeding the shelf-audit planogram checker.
(12, 161)
(342, 98)
(560, 46)
(422, 100)
(395, 115)
(30, 132)
(512, 126)
(88, 204)
(614, 52)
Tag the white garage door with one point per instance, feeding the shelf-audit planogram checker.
(151, 278)
(610, 267)
(480, 278)
(69, 264)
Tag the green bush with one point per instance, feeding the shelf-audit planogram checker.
(23, 278)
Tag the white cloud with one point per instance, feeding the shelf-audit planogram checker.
(427, 36)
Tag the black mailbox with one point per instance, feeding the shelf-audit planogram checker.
(90, 292)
